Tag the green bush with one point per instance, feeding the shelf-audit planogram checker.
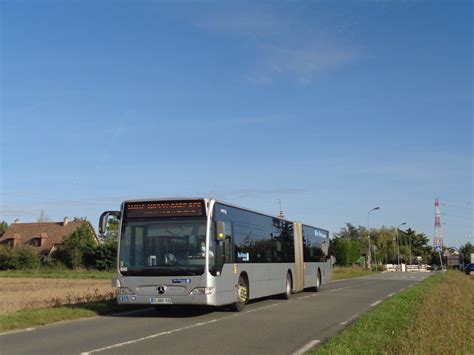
(101, 257)
(5, 257)
(19, 258)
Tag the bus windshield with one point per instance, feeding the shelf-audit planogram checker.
(163, 247)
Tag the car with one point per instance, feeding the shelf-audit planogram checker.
(469, 270)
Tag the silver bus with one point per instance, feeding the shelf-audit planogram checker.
(205, 252)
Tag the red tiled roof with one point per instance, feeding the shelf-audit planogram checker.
(52, 233)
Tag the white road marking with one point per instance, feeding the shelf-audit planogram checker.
(173, 331)
(304, 297)
(375, 303)
(343, 288)
(350, 319)
(257, 309)
(307, 347)
(17, 331)
(410, 286)
(340, 288)
(390, 295)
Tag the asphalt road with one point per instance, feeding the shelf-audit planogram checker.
(267, 326)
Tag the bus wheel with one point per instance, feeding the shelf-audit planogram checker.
(287, 293)
(317, 288)
(242, 295)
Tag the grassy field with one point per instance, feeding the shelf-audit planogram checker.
(32, 293)
(36, 317)
(434, 317)
(59, 274)
(350, 272)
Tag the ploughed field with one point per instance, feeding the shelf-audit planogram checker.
(31, 293)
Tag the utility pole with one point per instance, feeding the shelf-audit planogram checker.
(369, 260)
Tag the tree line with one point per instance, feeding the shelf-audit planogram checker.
(349, 246)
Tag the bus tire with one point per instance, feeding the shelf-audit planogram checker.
(317, 288)
(288, 287)
(242, 294)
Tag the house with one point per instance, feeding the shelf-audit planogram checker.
(44, 236)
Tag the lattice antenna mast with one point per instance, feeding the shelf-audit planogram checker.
(281, 215)
(438, 238)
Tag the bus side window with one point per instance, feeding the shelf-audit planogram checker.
(224, 248)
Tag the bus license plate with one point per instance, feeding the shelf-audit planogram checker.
(160, 300)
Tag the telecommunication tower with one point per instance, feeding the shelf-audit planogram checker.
(438, 238)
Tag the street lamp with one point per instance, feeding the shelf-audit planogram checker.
(398, 245)
(409, 245)
(369, 261)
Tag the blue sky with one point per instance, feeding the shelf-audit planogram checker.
(332, 107)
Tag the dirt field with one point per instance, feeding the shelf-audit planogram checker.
(29, 293)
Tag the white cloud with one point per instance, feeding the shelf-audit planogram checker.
(284, 44)
(305, 62)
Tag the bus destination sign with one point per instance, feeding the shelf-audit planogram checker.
(164, 209)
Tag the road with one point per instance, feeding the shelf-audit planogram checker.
(267, 326)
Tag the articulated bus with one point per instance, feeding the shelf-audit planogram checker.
(205, 252)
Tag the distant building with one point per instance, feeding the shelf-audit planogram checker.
(43, 236)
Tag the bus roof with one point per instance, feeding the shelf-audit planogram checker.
(207, 199)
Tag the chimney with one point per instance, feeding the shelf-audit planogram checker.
(43, 237)
(16, 220)
(65, 222)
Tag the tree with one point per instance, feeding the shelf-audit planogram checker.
(467, 249)
(75, 246)
(3, 227)
(347, 252)
(418, 243)
(43, 217)
(351, 232)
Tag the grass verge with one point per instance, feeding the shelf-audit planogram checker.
(59, 274)
(339, 273)
(415, 321)
(444, 322)
(35, 317)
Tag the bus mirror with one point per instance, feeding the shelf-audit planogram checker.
(220, 230)
(104, 219)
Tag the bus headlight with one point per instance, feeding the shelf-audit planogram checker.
(125, 291)
(203, 291)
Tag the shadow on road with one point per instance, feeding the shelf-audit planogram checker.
(181, 311)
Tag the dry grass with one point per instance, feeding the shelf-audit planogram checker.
(444, 322)
(33, 293)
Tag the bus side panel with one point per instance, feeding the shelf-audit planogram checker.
(311, 272)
